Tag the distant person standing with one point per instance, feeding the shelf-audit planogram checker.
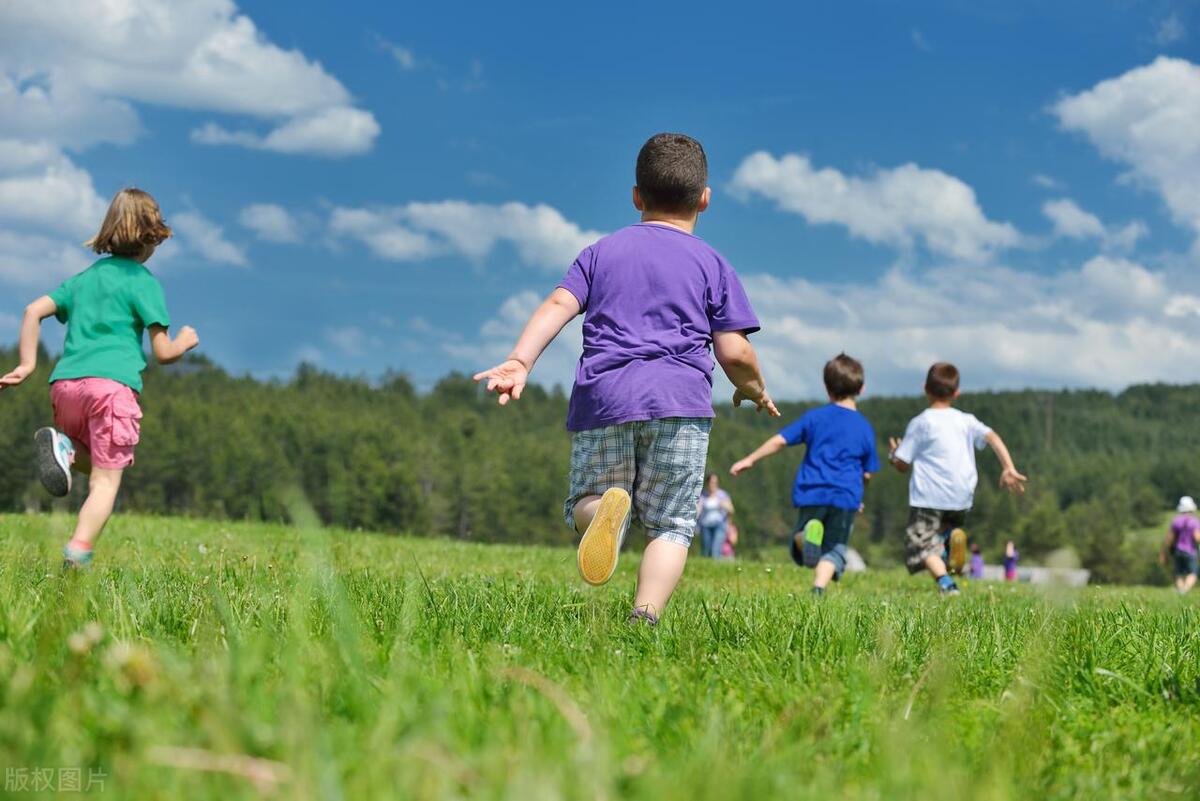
(731, 541)
(976, 570)
(1011, 555)
(713, 513)
(1181, 542)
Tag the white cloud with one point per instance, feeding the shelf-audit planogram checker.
(71, 77)
(1170, 30)
(1046, 182)
(206, 238)
(1072, 222)
(271, 223)
(1109, 323)
(896, 207)
(36, 261)
(414, 231)
(41, 187)
(1146, 119)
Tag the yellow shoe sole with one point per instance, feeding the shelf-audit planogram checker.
(958, 551)
(601, 543)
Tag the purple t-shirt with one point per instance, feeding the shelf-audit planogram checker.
(1185, 527)
(652, 297)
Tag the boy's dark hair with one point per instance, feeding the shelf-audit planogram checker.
(942, 381)
(843, 377)
(672, 172)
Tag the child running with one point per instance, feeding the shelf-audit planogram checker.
(840, 459)
(94, 388)
(1181, 544)
(655, 298)
(939, 447)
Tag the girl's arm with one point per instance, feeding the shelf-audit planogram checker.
(168, 351)
(31, 332)
(772, 446)
(508, 378)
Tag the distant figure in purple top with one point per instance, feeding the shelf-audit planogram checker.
(712, 515)
(657, 302)
(1181, 543)
(976, 570)
(1011, 555)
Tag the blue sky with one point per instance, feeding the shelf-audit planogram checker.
(371, 187)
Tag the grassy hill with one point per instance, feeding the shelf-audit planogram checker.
(226, 661)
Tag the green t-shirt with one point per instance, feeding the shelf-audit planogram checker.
(107, 307)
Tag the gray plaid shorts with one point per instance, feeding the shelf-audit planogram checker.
(660, 463)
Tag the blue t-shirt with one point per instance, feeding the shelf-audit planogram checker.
(841, 447)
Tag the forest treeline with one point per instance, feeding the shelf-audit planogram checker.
(379, 455)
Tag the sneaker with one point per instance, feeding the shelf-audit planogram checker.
(806, 544)
(643, 616)
(818, 592)
(55, 453)
(958, 552)
(76, 557)
(946, 585)
(601, 543)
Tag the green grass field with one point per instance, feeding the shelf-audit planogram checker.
(215, 660)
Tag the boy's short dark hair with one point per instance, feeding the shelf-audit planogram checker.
(942, 381)
(672, 172)
(843, 377)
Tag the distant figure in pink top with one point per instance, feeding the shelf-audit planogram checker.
(1181, 543)
(1011, 555)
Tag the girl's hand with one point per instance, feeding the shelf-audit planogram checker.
(187, 338)
(1013, 481)
(16, 376)
(741, 466)
(507, 380)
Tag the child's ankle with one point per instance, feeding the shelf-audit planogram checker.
(80, 545)
(945, 581)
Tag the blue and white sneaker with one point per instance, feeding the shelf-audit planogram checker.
(55, 453)
(76, 557)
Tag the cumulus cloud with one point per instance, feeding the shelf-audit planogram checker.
(898, 207)
(1109, 323)
(271, 223)
(206, 238)
(1146, 119)
(72, 77)
(540, 234)
(1073, 222)
(42, 188)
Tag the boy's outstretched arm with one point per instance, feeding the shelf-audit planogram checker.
(508, 378)
(737, 358)
(772, 446)
(168, 351)
(1010, 479)
(899, 464)
(31, 332)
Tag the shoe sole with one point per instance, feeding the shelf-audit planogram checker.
(56, 480)
(601, 543)
(958, 551)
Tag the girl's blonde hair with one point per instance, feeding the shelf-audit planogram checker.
(133, 223)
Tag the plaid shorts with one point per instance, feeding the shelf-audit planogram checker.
(924, 536)
(660, 463)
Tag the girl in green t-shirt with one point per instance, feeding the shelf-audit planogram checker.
(94, 387)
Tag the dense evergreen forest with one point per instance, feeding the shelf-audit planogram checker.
(379, 455)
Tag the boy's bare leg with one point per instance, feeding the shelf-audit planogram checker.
(585, 510)
(1189, 581)
(662, 566)
(102, 494)
(935, 566)
(824, 573)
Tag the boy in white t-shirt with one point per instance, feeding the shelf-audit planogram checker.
(939, 447)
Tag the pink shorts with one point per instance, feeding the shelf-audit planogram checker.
(100, 416)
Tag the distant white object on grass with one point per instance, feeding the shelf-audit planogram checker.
(1186, 504)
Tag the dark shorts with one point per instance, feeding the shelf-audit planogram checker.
(925, 535)
(838, 525)
(1185, 563)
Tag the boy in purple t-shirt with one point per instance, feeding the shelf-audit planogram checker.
(1181, 543)
(655, 299)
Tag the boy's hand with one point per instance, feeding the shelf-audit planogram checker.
(506, 379)
(893, 444)
(741, 466)
(763, 401)
(187, 338)
(15, 377)
(1013, 481)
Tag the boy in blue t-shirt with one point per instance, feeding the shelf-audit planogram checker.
(829, 485)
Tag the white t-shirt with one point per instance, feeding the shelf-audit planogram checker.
(940, 445)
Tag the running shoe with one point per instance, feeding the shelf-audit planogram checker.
(76, 557)
(55, 453)
(958, 552)
(601, 543)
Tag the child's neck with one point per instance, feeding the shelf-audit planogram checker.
(938, 403)
(845, 403)
(685, 224)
